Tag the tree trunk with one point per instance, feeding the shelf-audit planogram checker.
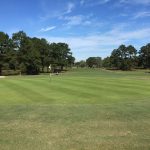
(0, 70)
(62, 67)
(42, 69)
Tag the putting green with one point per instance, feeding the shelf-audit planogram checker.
(81, 109)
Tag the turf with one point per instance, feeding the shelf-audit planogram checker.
(83, 109)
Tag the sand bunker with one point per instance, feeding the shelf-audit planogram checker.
(2, 77)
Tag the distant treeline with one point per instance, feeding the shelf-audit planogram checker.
(123, 58)
(24, 54)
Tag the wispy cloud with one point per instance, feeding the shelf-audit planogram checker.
(47, 29)
(82, 2)
(143, 2)
(77, 20)
(69, 8)
(81, 20)
(58, 12)
(102, 44)
(142, 14)
(129, 35)
(91, 3)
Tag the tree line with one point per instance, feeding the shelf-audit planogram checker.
(32, 55)
(122, 58)
(24, 54)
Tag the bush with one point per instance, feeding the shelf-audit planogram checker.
(10, 72)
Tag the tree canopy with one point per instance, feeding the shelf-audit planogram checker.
(123, 57)
(32, 55)
(144, 56)
(94, 62)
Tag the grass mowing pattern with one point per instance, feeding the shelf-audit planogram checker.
(83, 109)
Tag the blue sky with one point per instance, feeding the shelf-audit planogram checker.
(90, 27)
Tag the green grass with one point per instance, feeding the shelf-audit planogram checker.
(83, 109)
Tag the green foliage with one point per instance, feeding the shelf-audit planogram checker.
(31, 54)
(10, 72)
(94, 62)
(4, 47)
(42, 46)
(144, 56)
(30, 57)
(61, 54)
(123, 58)
(81, 64)
(106, 63)
(18, 39)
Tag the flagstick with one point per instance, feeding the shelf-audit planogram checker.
(50, 76)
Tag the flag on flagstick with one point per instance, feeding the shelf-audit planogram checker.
(49, 67)
(50, 72)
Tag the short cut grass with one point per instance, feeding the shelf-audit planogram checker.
(83, 109)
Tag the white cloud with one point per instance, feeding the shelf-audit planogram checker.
(102, 44)
(79, 20)
(91, 3)
(143, 2)
(76, 20)
(70, 7)
(58, 12)
(82, 2)
(47, 29)
(142, 14)
(130, 35)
